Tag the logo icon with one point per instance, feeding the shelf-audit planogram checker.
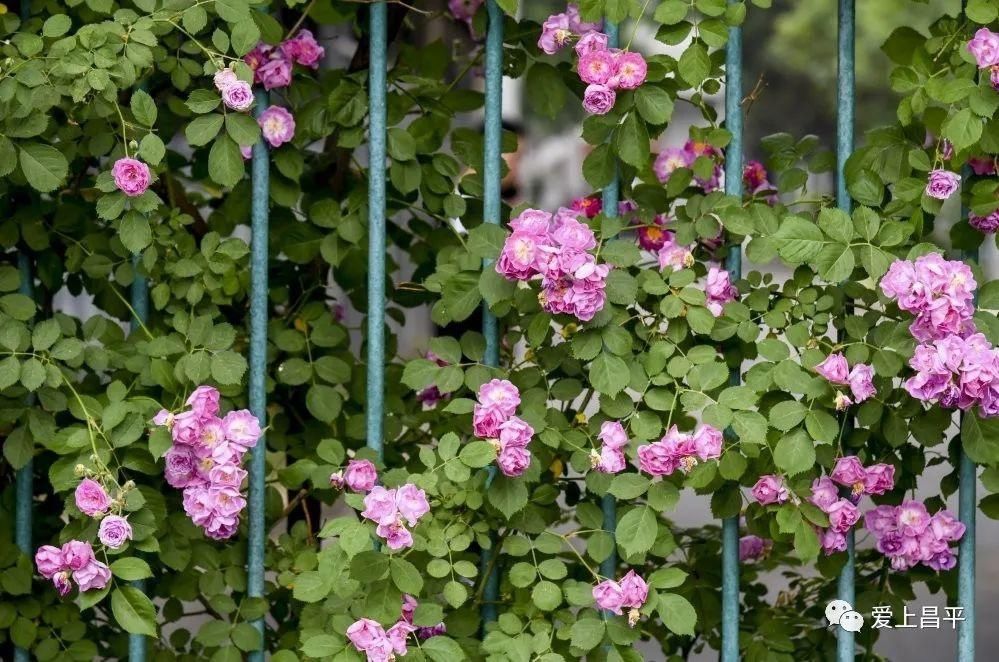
(841, 613)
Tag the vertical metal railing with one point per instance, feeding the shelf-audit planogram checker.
(611, 197)
(377, 45)
(845, 104)
(733, 264)
(492, 201)
(259, 240)
(24, 479)
(139, 295)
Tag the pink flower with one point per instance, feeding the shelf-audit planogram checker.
(237, 95)
(76, 554)
(668, 160)
(987, 224)
(985, 48)
(241, 428)
(842, 515)
(942, 184)
(824, 493)
(946, 527)
(609, 596)
(336, 480)
(719, 290)
(365, 633)
(304, 49)
(49, 560)
(598, 99)
(277, 125)
(630, 70)
(513, 460)
(861, 384)
(590, 42)
(675, 257)
(396, 535)
(94, 575)
(613, 435)
(224, 78)
(573, 235)
(881, 520)
(360, 475)
(181, 466)
(114, 531)
(274, 73)
(590, 205)
(835, 369)
(62, 583)
(131, 176)
(258, 56)
(464, 10)
(91, 498)
(397, 635)
(227, 475)
(879, 478)
(412, 503)
(912, 518)
(596, 67)
(501, 395)
(708, 442)
(532, 221)
(486, 421)
(379, 505)
(204, 401)
(515, 432)
(608, 460)
(634, 590)
(849, 472)
(982, 165)
(769, 489)
(753, 548)
(163, 417)
(519, 258)
(754, 175)
(832, 541)
(555, 34)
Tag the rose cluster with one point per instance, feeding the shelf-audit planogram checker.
(272, 65)
(236, 94)
(556, 249)
(672, 158)
(984, 46)
(629, 593)
(843, 513)
(393, 509)
(359, 476)
(493, 419)
(381, 645)
(604, 70)
(908, 535)
(205, 460)
(955, 365)
(610, 458)
(836, 370)
(74, 562)
(276, 124)
(678, 450)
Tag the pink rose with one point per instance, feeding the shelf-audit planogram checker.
(942, 184)
(519, 257)
(769, 489)
(609, 596)
(49, 560)
(985, 48)
(501, 395)
(379, 505)
(224, 78)
(515, 432)
(630, 70)
(131, 176)
(412, 503)
(241, 428)
(365, 633)
(277, 125)
(91, 498)
(596, 67)
(824, 493)
(555, 33)
(719, 290)
(237, 95)
(835, 369)
(708, 442)
(879, 478)
(613, 435)
(486, 421)
(609, 460)
(861, 384)
(304, 49)
(590, 42)
(849, 472)
(842, 515)
(832, 541)
(274, 73)
(634, 590)
(181, 467)
(360, 475)
(532, 221)
(397, 635)
(598, 99)
(114, 531)
(513, 460)
(62, 583)
(396, 535)
(571, 234)
(204, 401)
(94, 575)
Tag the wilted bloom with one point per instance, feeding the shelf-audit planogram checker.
(835, 369)
(555, 33)
(769, 490)
(131, 176)
(224, 78)
(94, 575)
(861, 384)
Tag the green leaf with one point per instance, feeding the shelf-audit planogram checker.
(795, 453)
(837, 224)
(677, 613)
(131, 569)
(546, 90)
(135, 233)
(963, 129)
(133, 611)
(637, 530)
(547, 596)
(324, 402)
(225, 162)
(477, 454)
(508, 495)
(151, 149)
(632, 141)
(587, 633)
(405, 576)
(694, 65)
(143, 107)
(323, 645)
(508, 6)
(203, 129)
(242, 128)
(671, 12)
(799, 240)
(835, 262)
(228, 367)
(609, 374)
(203, 101)
(654, 104)
(461, 295)
(486, 240)
(245, 35)
(56, 25)
(980, 438)
(44, 166)
(599, 166)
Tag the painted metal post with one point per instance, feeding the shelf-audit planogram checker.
(374, 413)
(611, 197)
(492, 172)
(845, 105)
(259, 240)
(733, 264)
(967, 509)
(24, 479)
(137, 644)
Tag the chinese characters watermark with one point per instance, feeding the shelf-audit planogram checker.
(841, 613)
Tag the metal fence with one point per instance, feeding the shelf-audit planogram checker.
(492, 207)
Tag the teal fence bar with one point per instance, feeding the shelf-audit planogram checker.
(492, 173)
(374, 414)
(24, 479)
(845, 104)
(733, 264)
(137, 643)
(260, 238)
(611, 197)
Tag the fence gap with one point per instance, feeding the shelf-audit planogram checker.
(611, 197)
(259, 240)
(845, 106)
(492, 173)
(733, 264)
